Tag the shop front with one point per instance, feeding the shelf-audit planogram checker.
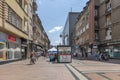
(112, 48)
(24, 47)
(14, 48)
(3, 39)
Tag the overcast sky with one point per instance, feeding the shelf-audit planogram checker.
(53, 14)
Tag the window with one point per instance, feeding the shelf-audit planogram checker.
(96, 12)
(96, 23)
(87, 16)
(13, 18)
(96, 35)
(83, 20)
(87, 26)
(19, 2)
(84, 29)
(1, 46)
(25, 25)
(108, 34)
(108, 5)
(109, 20)
(25, 6)
(1, 52)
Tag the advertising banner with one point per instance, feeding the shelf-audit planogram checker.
(64, 54)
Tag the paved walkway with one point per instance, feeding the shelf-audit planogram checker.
(77, 70)
(42, 70)
(96, 70)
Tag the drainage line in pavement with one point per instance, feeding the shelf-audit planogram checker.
(76, 78)
(101, 74)
(77, 73)
(80, 72)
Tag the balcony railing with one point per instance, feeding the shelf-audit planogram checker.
(108, 11)
(108, 37)
(108, 25)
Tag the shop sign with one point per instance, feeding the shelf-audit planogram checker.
(11, 38)
(2, 37)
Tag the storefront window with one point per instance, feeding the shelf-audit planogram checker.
(1, 52)
(116, 51)
(1, 46)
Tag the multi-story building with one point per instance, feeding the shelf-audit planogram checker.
(99, 31)
(16, 29)
(13, 29)
(87, 28)
(109, 22)
(67, 34)
(82, 31)
(40, 39)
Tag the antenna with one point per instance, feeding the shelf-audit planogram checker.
(71, 9)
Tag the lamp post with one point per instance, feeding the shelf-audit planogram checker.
(63, 36)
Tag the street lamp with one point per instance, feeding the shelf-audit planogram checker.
(63, 36)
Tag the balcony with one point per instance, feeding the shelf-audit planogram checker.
(34, 6)
(108, 37)
(108, 7)
(108, 25)
(96, 28)
(96, 17)
(108, 11)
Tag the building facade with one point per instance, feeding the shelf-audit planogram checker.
(41, 41)
(109, 21)
(13, 29)
(82, 31)
(67, 34)
(16, 29)
(97, 28)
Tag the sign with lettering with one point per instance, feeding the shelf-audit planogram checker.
(11, 38)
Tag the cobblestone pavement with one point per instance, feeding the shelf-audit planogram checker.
(96, 70)
(42, 70)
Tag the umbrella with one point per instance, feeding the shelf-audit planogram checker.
(52, 51)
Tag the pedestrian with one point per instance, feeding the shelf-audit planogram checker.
(44, 55)
(32, 58)
(97, 55)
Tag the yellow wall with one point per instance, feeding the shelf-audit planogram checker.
(15, 31)
(20, 11)
(1, 22)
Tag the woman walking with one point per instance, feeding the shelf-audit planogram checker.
(32, 58)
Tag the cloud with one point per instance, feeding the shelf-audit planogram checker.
(55, 29)
(40, 1)
(57, 42)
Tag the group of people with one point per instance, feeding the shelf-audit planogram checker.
(53, 57)
(34, 57)
(102, 56)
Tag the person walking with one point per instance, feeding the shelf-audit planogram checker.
(97, 55)
(32, 58)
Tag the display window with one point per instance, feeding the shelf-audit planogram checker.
(14, 51)
(2, 51)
